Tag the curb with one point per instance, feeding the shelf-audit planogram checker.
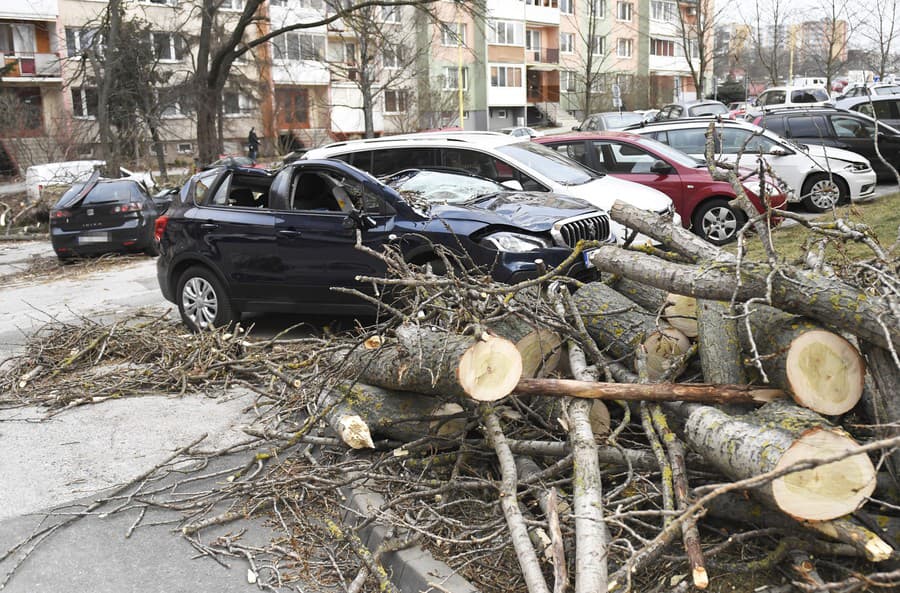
(413, 570)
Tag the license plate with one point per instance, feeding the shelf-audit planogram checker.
(95, 238)
(586, 254)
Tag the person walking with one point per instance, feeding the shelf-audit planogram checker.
(252, 144)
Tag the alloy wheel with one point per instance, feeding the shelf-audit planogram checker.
(200, 302)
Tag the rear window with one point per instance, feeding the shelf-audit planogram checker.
(710, 109)
(809, 96)
(691, 141)
(114, 193)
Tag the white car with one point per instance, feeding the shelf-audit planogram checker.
(515, 162)
(786, 96)
(65, 173)
(817, 176)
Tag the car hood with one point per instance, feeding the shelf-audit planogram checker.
(531, 211)
(820, 153)
(602, 192)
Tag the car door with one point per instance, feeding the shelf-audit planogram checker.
(577, 151)
(738, 145)
(858, 135)
(238, 240)
(634, 163)
(315, 242)
(809, 129)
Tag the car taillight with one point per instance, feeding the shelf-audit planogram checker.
(160, 227)
(129, 207)
(60, 214)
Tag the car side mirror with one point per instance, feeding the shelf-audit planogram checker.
(359, 220)
(661, 167)
(513, 184)
(779, 152)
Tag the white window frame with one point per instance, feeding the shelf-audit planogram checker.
(624, 12)
(567, 6)
(566, 42)
(503, 76)
(598, 49)
(184, 148)
(245, 104)
(663, 11)
(599, 9)
(624, 43)
(450, 76)
(79, 33)
(282, 46)
(505, 29)
(501, 114)
(401, 100)
(565, 78)
(393, 64)
(390, 14)
(82, 91)
(173, 47)
(453, 34)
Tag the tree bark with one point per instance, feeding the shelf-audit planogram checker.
(540, 348)
(881, 398)
(438, 363)
(719, 342)
(690, 392)
(777, 436)
(821, 370)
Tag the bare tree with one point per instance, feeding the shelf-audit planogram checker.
(825, 40)
(696, 27)
(593, 53)
(769, 22)
(879, 29)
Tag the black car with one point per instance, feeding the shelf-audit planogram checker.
(104, 216)
(240, 240)
(839, 128)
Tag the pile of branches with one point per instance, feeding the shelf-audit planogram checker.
(21, 219)
(752, 426)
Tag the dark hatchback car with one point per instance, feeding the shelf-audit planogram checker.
(839, 128)
(240, 240)
(104, 216)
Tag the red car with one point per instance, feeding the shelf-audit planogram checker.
(701, 200)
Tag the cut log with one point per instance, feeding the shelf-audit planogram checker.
(648, 297)
(881, 399)
(690, 392)
(540, 348)
(620, 326)
(719, 343)
(681, 313)
(775, 437)
(821, 370)
(486, 368)
(398, 415)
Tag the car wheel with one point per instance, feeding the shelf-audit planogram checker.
(202, 300)
(717, 222)
(823, 192)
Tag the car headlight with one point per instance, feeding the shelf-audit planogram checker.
(515, 242)
(857, 167)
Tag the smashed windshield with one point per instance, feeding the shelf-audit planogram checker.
(438, 187)
(548, 163)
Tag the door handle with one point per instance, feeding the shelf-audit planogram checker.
(208, 226)
(289, 234)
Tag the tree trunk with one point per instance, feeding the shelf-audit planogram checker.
(821, 370)
(647, 297)
(881, 399)
(540, 348)
(659, 392)
(777, 436)
(719, 342)
(620, 326)
(438, 363)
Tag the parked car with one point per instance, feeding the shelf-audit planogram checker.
(65, 173)
(521, 132)
(782, 96)
(737, 109)
(691, 109)
(702, 201)
(515, 162)
(104, 216)
(848, 130)
(609, 120)
(884, 109)
(817, 176)
(240, 240)
(233, 160)
(870, 90)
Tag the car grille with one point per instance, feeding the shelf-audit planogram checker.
(592, 227)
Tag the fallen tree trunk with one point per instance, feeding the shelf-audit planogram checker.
(620, 326)
(881, 399)
(719, 343)
(486, 368)
(821, 370)
(689, 392)
(398, 415)
(540, 348)
(777, 436)
(793, 290)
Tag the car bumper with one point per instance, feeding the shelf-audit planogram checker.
(511, 268)
(162, 276)
(861, 184)
(95, 241)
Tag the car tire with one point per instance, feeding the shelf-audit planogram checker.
(823, 192)
(717, 222)
(203, 301)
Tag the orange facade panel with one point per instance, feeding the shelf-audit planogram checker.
(506, 53)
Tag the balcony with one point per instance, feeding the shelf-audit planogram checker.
(30, 66)
(547, 55)
(542, 11)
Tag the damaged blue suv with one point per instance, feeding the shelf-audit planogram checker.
(238, 240)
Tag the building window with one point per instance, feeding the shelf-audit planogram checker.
(166, 46)
(623, 11)
(395, 101)
(293, 106)
(78, 40)
(453, 34)
(166, 2)
(299, 46)
(623, 48)
(84, 102)
(567, 6)
(393, 57)
(662, 47)
(661, 10)
(17, 38)
(544, 3)
(185, 148)
(235, 103)
(232, 5)
(390, 14)
(506, 76)
(501, 114)
(599, 9)
(350, 53)
(451, 78)
(567, 81)
(598, 45)
(506, 33)
(567, 42)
